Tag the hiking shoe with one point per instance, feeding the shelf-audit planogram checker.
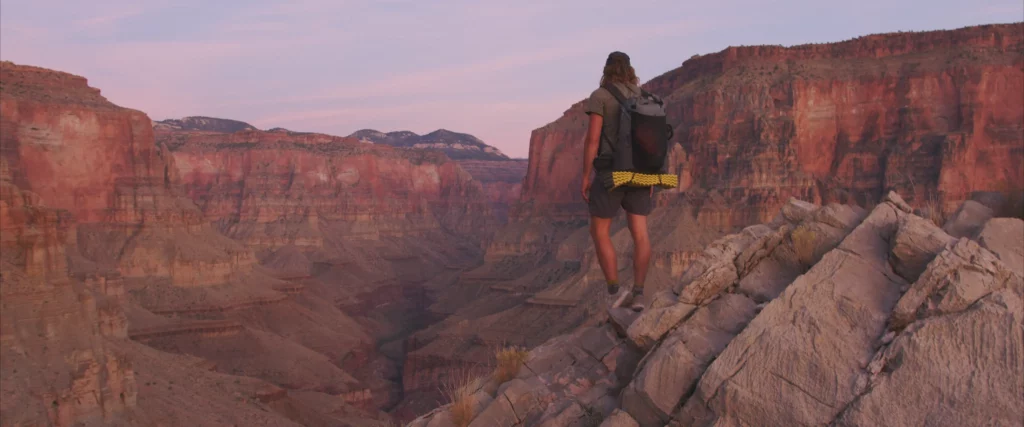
(638, 302)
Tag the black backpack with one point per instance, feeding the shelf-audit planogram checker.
(640, 150)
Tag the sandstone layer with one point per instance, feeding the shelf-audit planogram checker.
(274, 189)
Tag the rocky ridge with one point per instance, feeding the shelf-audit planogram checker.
(201, 123)
(842, 123)
(458, 146)
(827, 316)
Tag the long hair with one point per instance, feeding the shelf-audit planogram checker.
(619, 72)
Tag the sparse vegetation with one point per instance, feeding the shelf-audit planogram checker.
(509, 360)
(804, 244)
(932, 211)
(459, 390)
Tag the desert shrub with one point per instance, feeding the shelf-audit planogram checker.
(804, 244)
(459, 389)
(509, 359)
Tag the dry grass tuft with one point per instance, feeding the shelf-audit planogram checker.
(509, 360)
(932, 211)
(459, 390)
(804, 244)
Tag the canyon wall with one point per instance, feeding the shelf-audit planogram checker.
(936, 115)
(124, 304)
(55, 332)
(272, 189)
(501, 181)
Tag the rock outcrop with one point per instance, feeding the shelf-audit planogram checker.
(847, 339)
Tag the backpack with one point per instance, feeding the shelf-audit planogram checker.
(640, 150)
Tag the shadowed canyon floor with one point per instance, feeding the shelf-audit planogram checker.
(204, 272)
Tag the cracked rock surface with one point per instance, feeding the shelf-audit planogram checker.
(893, 322)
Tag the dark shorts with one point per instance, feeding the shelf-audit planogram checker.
(605, 204)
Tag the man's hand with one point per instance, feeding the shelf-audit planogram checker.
(586, 190)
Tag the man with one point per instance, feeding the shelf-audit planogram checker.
(604, 111)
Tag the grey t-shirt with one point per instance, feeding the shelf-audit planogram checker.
(604, 104)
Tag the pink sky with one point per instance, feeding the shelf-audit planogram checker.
(495, 69)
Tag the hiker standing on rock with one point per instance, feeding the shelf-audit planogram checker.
(625, 150)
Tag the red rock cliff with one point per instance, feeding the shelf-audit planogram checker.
(272, 189)
(935, 115)
(501, 180)
(58, 363)
(65, 143)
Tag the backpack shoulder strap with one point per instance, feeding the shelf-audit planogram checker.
(616, 93)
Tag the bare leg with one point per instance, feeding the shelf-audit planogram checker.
(641, 250)
(600, 231)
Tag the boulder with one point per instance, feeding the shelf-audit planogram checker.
(654, 323)
(967, 220)
(619, 419)
(621, 318)
(916, 244)
(669, 373)
(715, 268)
(1005, 238)
(795, 211)
(957, 278)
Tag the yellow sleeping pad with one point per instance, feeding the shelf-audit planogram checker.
(636, 179)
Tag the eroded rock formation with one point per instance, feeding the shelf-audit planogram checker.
(846, 339)
(275, 189)
(123, 302)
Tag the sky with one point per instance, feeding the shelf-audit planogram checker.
(495, 69)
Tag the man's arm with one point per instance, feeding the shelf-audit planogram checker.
(593, 141)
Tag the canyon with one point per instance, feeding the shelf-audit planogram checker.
(934, 116)
(270, 276)
(204, 272)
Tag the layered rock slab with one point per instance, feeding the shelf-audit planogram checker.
(956, 350)
(799, 361)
